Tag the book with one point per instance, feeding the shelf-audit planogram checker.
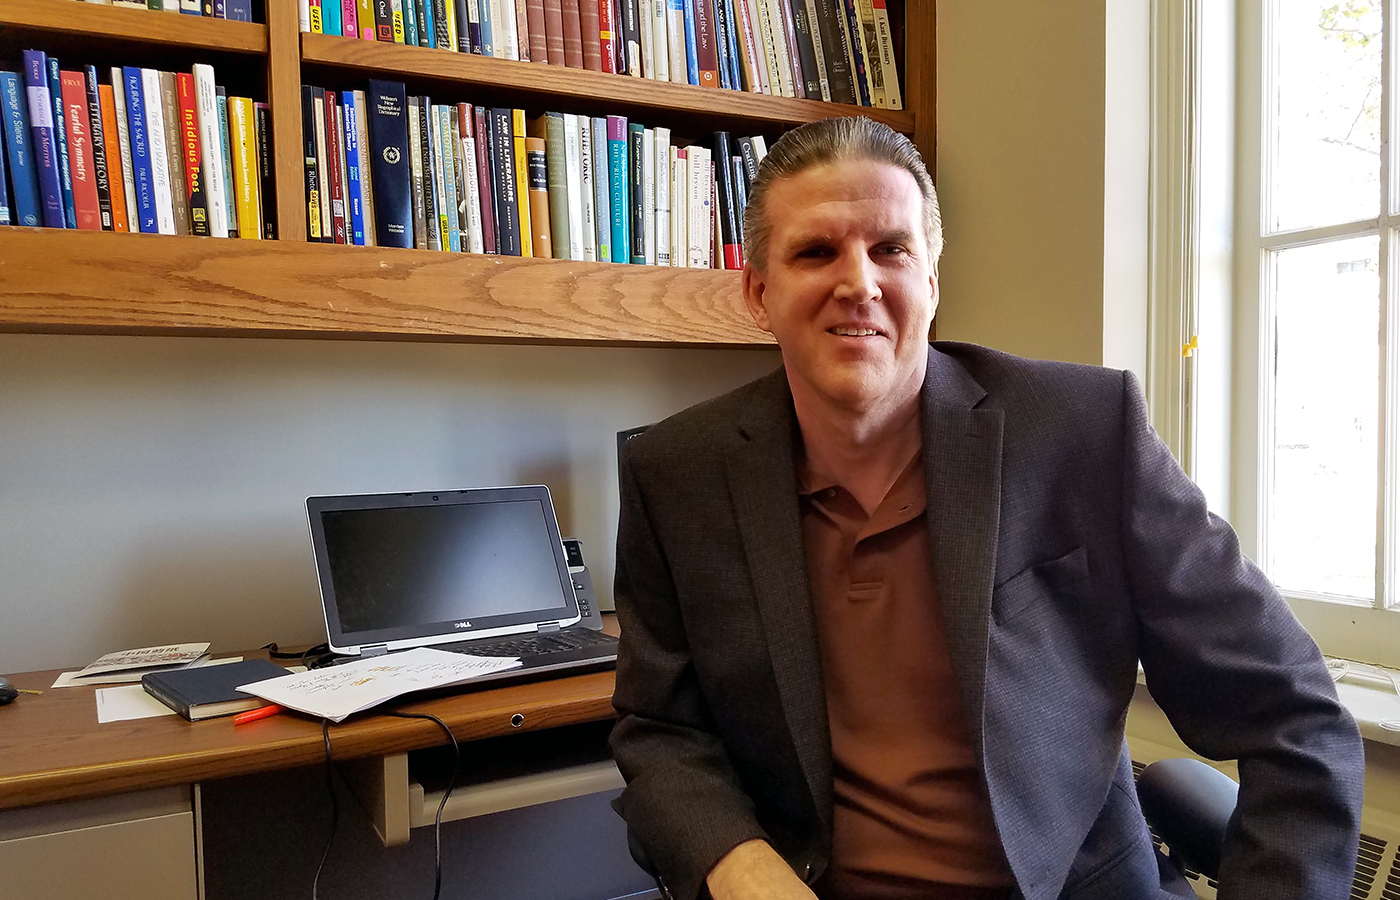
(676, 41)
(649, 196)
(366, 19)
(554, 31)
(97, 134)
(586, 189)
(692, 60)
(608, 37)
(522, 30)
(243, 142)
(340, 160)
(383, 21)
(130, 665)
(619, 180)
(819, 50)
(522, 181)
(41, 132)
(636, 157)
(602, 191)
(60, 131)
(488, 27)
(267, 182)
(855, 51)
(662, 173)
(415, 174)
(433, 177)
(452, 191)
(508, 34)
(870, 49)
(791, 52)
(661, 49)
(540, 221)
(680, 208)
(698, 177)
(118, 88)
(631, 30)
(741, 193)
(720, 18)
(332, 182)
(556, 182)
(208, 692)
(318, 129)
(387, 108)
(159, 152)
(330, 16)
(470, 208)
(193, 156)
(230, 207)
(484, 181)
(724, 191)
(174, 152)
(503, 172)
(775, 46)
(804, 42)
(590, 28)
(755, 49)
(728, 39)
(27, 207)
(573, 168)
(352, 170)
(884, 40)
(366, 182)
(143, 175)
(312, 171)
(534, 13)
(396, 17)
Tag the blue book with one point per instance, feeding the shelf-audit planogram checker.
(330, 17)
(429, 25)
(487, 47)
(222, 99)
(27, 207)
(692, 60)
(620, 201)
(720, 19)
(239, 10)
(60, 131)
(352, 169)
(140, 152)
(602, 192)
(36, 87)
(731, 40)
(386, 109)
(410, 24)
(4, 194)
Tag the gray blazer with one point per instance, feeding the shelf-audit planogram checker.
(1067, 546)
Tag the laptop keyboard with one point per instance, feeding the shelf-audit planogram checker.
(535, 644)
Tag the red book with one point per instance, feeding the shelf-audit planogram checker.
(591, 29)
(554, 31)
(534, 20)
(189, 131)
(706, 53)
(333, 158)
(606, 36)
(573, 36)
(80, 164)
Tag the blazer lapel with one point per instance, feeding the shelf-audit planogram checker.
(763, 489)
(962, 475)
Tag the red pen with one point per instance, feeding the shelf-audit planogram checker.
(253, 715)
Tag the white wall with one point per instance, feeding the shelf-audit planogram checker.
(151, 489)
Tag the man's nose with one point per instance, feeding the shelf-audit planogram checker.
(857, 277)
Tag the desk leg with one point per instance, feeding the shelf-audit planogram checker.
(380, 784)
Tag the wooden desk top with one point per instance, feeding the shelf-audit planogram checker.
(52, 749)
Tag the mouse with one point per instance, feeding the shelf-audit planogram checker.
(7, 691)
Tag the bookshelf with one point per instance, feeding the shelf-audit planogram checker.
(105, 283)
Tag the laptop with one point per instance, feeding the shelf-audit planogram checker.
(481, 571)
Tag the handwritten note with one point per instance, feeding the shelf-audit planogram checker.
(340, 691)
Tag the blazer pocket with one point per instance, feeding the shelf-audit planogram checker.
(1059, 576)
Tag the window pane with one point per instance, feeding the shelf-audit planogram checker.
(1325, 96)
(1322, 503)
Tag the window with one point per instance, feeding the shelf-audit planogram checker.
(1316, 438)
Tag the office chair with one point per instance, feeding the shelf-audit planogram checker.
(1186, 803)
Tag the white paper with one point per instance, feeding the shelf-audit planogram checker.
(336, 692)
(148, 659)
(70, 679)
(120, 704)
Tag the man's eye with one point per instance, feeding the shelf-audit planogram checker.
(813, 252)
(892, 250)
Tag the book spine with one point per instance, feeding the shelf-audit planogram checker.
(503, 169)
(76, 118)
(123, 142)
(680, 208)
(608, 36)
(646, 33)
(488, 27)
(741, 195)
(775, 46)
(484, 180)
(619, 180)
(706, 55)
(819, 49)
(230, 208)
(804, 41)
(540, 221)
(586, 188)
(41, 130)
(341, 163)
(724, 190)
(698, 178)
(189, 138)
(631, 38)
(692, 59)
(28, 208)
(472, 17)
(318, 125)
(384, 21)
(661, 172)
(676, 41)
(240, 10)
(573, 35)
(522, 181)
(717, 11)
(573, 167)
(508, 37)
(111, 149)
(211, 149)
(471, 205)
(6, 213)
(143, 175)
(330, 17)
(387, 108)
(160, 159)
(267, 189)
(415, 168)
(661, 49)
(316, 20)
(413, 20)
(452, 188)
(729, 43)
(851, 38)
(649, 196)
(884, 39)
(332, 169)
(60, 132)
(366, 182)
(602, 191)
(636, 209)
(758, 46)
(365, 19)
(243, 142)
(439, 34)
(534, 11)
(792, 54)
(433, 181)
(174, 152)
(353, 192)
(96, 135)
(400, 24)
(557, 184)
(870, 49)
(590, 26)
(554, 31)
(522, 30)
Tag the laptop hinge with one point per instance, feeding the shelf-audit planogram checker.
(374, 649)
(551, 626)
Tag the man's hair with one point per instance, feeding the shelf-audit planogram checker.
(832, 140)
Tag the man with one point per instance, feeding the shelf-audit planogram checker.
(882, 611)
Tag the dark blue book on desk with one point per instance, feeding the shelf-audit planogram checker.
(387, 103)
(206, 692)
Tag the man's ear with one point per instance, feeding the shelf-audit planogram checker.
(933, 287)
(753, 285)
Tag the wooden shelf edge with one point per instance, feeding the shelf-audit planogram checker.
(69, 17)
(94, 283)
(396, 61)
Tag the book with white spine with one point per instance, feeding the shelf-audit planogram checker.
(661, 50)
(661, 173)
(211, 148)
(675, 40)
(322, 166)
(649, 195)
(884, 37)
(647, 36)
(779, 66)
(160, 160)
(133, 214)
(588, 190)
(680, 208)
(507, 35)
(573, 147)
(698, 174)
(475, 242)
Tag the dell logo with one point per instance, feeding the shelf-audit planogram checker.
(462, 625)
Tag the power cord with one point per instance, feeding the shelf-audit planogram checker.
(437, 821)
(1340, 668)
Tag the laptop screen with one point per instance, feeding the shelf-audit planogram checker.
(414, 569)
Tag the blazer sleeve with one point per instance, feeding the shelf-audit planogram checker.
(683, 801)
(1239, 679)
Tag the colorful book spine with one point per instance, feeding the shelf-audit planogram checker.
(429, 189)
(728, 203)
(365, 19)
(384, 21)
(804, 40)
(243, 142)
(123, 133)
(680, 208)
(852, 36)
(483, 174)
(649, 196)
(160, 153)
(819, 50)
(591, 28)
(349, 14)
(112, 150)
(60, 131)
(330, 17)
(631, 38)
(503, 148)
(352, 170)
(870, 48)
(706, 54)
(452, 193)
(140, 152)
(334, 135)
(97, 134)
(194, 161)
(721, 19)
(27, 207)
(174, 151)
(607, 36)
(267, 184)
(620, 200)
(522, 181)
(387, 108)
(692, 59)
(41, 130)
(557, 183)
(5, 211)
(792, 54)
(211, 149)
(230, 207)
(540, 222)
(884, 39)
(471, 197)
(312, 171)
(602, 190)
(636, 156)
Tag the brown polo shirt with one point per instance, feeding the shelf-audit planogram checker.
(912, 818)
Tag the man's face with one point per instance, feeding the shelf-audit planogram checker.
(848, 289)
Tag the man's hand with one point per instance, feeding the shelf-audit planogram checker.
(754, 871)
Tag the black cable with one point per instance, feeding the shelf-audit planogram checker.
(437, 821)
(335, 807)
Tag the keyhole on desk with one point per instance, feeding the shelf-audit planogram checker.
(517, 720)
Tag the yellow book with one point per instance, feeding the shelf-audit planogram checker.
(452, 27)
(316, 23)
(364, 20)
(397, 15)
(243, 145)
(522, 181)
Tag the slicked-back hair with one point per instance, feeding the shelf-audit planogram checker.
(833, 140)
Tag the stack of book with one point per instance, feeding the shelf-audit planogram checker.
(234, 10)
(151, 152)
(840, 51)
(389, 169)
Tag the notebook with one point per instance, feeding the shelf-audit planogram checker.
(480, 571)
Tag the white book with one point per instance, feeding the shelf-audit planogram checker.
(171, 6)
(675, 39)
(680, 209)
(780, 66)
(160, 161)
(818, 50)
(573, 167)
(304, 14)
(894, 99)
(649, 196)
(660, 49)
(366, 182)
(211, 148)
(662, 176)
(760, 147)
(327, 225)
(503, 11)
(870, 49)
(587, 188)
(698, 181)
(475, 242)
(133, 215)
(647, 36)
(761, 47)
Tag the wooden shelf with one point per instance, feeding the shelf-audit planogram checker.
(69, 17)
(578, 85)
(104, 283)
